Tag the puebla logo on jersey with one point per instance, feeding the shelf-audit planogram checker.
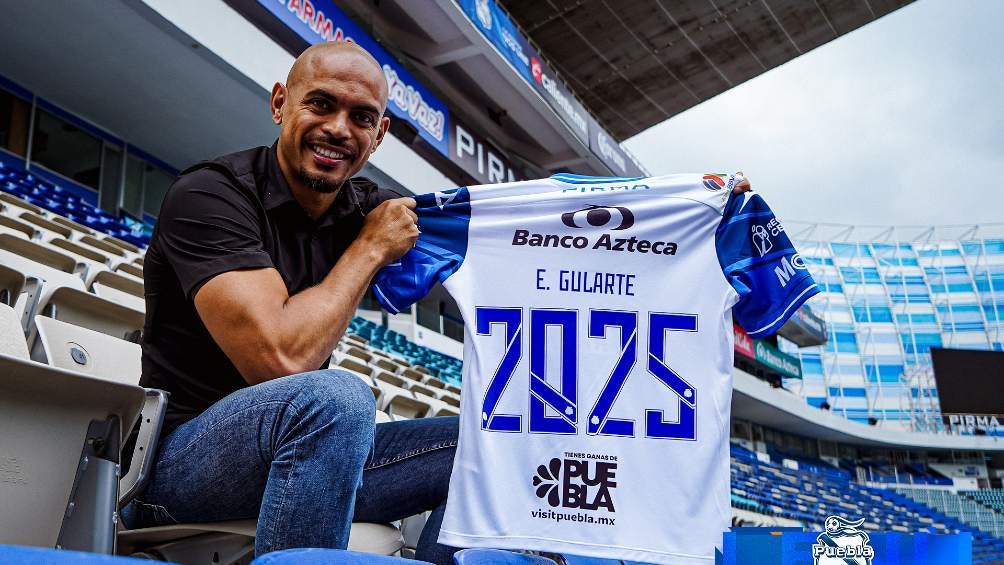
(612, 218)
(577, 483)
(843, 543)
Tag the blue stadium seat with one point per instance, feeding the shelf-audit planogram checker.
(41, 556)
(15, 180)
(316, 556)
(497, 557)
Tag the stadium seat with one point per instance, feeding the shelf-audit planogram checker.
(109, 248)
(437, 407)
(130, 269)
(12, 284)
(12, 342)
(419, 388)
(389, 378)
(385, 364)
(356, 338)
(232, 542)
(359, 353)
(413, 374)
(119, 288)
(124, 245)
(42, 556)
(81, 250)
(354, 364)
(435, 383)
(42, 254)
(317, 556)
(19, 204)
(41, 280)
(79, 307)
(79, 349)
(80, 229)
(94, 262)
(400, 402)
(48, 228)
(46, 414)
(497, 557)
(17, 228)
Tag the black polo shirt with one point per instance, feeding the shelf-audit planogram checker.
(235, 212)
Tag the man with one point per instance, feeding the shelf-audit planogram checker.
(257, 264)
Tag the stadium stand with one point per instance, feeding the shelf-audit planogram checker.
(957, 505)
(71, 298)
(991, 498)
(809, 496)
(33, 195)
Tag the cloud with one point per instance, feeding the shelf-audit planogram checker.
(898, 122)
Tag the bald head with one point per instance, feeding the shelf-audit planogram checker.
(331, 119)
(322, 58)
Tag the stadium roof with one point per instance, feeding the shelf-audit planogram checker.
(637, 63)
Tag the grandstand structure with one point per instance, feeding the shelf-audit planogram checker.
(71, 310)
(888, 295)
(116, 96)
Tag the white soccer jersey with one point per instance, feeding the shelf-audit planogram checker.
(597, 376)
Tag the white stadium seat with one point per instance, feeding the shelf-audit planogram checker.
(15, 206)
(359, 353)
(79, 307)
(17, 228)
(79, 349)
(48, 228)
(45, 414)
(353, 364)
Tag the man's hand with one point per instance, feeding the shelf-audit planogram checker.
(391, 229)
(742, 186)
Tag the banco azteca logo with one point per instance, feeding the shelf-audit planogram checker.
(843, 543)
(599, 216)
(582, 484)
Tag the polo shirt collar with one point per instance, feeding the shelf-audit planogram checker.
(278, 193)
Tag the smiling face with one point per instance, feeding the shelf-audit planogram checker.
(330, 113)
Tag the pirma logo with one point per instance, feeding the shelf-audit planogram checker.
(599, 216)
(581, 484)
(843, 543)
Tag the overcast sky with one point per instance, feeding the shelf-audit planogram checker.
(899, 122)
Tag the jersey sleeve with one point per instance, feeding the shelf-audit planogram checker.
(443, 218)
(761, 264)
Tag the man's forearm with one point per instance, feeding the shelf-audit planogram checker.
(312, 321)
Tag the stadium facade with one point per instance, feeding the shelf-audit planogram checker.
(116, 97)
(886, 301)
(888, 295)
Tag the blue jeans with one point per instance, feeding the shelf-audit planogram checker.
(302, 455)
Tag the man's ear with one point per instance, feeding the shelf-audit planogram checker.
(276, 101)
(384, 125)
